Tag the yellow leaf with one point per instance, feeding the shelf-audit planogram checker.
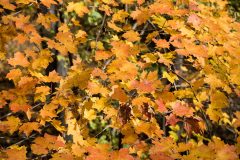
(58, 126)
(78, 7)
(170, 76)
(159, 20)
(11, 124)
(89, 114)
(150, 58)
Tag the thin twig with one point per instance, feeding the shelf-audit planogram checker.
(144, 29)
(11, 113)
(152, 24)
(101, 28)
(190, 85)
(19, 142)
(107, 62)
(102, 131)
(14, 14)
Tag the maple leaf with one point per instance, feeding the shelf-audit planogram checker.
(172, 120)
(77, 150)
(99, 73)
(41, 93)
(95, 88)
(66, 38)
(123, 50)
(19, 59)
(11, 124)
(24, 1)
(127, 1)
(90, 114)
(46, 19)
(43, 59)
(7, 5)
(21, 38)
(162, 149)
(15, 107)
(144, 86)
(118, 94)
(113, 26)
(161, 43)
(52, 77)
(139, 101)
(150, 58)
(141, 15)
(78, 7)
(131, 36)
(62, 155)
(218, 100)
(106, 9)
(117, 80)
(182, 109)
(24, 81)
(162, 7)
(129, 134)
(16, 153)
(58, 126)
(14, 74)
(48, 3)
(48, 111)
(81, 36)
(102, 55)
(165, 59)
(28, 127)
(98, 152)
(160, 105)
(194, 19)
(42, 145)
(120, 16)
(150, 129)
(196, 50)
(170, 76)
(121, 154)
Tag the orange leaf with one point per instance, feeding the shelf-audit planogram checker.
(78, 7)
(19, 59)
(143, 86)
(161, 106)
(28, 127)
(17, 153)
(52, 77)
(118, 94)
(131, 36)
(15, 107)
(123, 153)
(42, 145)
(7, 5)
(11, 124)
(182, 109)
(194, 20)
(141, 15)
(113, 26)
(102, 55)
(161, 43)
(14, 74)
(48, 3)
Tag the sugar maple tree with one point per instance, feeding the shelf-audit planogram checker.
(152, 79)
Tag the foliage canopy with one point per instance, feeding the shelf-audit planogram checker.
(119, 79)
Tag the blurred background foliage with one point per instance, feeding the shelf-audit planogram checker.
(234, 9)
